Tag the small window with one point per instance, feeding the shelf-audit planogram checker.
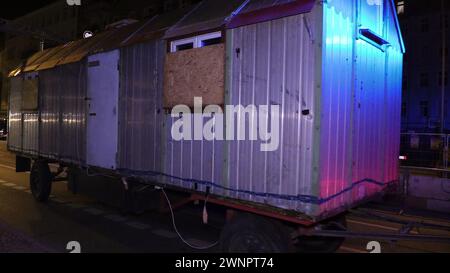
(197, 42)
(209, 39)
(373, 38)
(400, 7)
(424, 108)
(213, 41)
(181, 47)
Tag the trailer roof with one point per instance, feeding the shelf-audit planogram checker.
(257, 11)
(206, 16)
(75, 51)
(157, 27)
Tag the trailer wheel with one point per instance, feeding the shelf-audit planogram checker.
(41, 181)
(247, 233)
(313, 244)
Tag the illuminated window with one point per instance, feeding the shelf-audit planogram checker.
(197, 42)
(424, 108)
(400, 7)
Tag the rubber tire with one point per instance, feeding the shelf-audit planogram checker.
(269, 234)
(323, 244)
(40, 181)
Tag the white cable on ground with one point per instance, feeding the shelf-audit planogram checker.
(176, 229)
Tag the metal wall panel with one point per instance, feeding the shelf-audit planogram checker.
(72, 92)
(62, 104)
(276, 66)
(31, 133)
(361, 99)
(49, 104)
(193, 160)
(337, 103)
(15, 115)
(140, 106)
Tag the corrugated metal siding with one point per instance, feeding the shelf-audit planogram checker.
(193, 160)
(275, 67)
(370, 120)
(140, 105)
(394, 93)
(72, 90)
(31, 133)
(337, 104)
(49, 103)
(62, 96)
(361, 101)
(15, 115)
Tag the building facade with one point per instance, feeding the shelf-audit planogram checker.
(425, 30)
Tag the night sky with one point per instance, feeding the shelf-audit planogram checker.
(16, 8)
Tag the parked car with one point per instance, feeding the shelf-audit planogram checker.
(3, 129)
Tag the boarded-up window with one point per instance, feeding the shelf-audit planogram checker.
(197, 72)
(30, 93)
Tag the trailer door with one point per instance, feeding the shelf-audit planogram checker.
(102, 121)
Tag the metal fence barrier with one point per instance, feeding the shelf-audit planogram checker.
(425, 151)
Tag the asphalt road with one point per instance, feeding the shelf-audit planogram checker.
(28, 226)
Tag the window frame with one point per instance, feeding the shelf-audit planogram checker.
(400, 7)
(197, 41)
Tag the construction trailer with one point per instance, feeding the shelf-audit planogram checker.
(334, 69)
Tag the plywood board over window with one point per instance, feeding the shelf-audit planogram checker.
(197, 72)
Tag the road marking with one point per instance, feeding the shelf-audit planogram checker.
(165, 233)
(2, 181)
(138, 225)
(7, 167)
(352, 250)
(11, 185)
(115, 218)
(94, 211)
(20, 188)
